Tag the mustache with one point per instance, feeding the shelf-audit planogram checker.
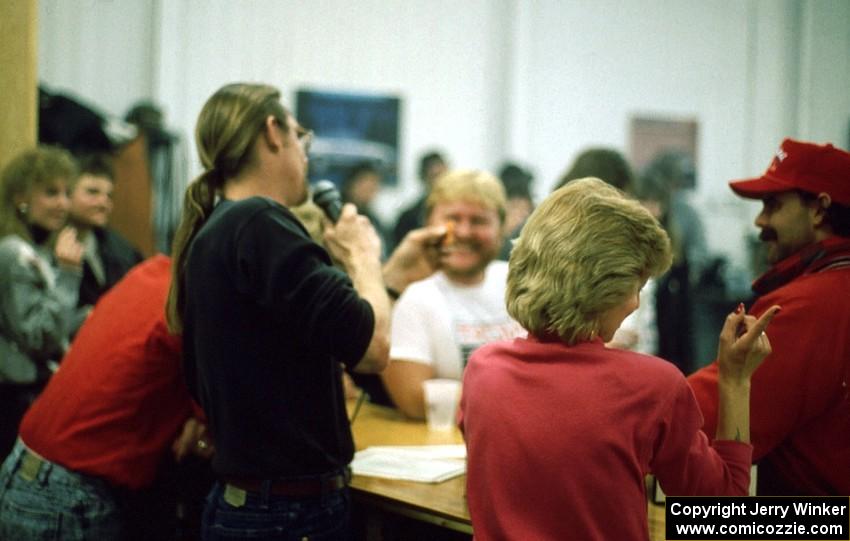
(466, 246)
(767, 234)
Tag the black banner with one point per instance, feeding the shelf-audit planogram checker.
(758, 517)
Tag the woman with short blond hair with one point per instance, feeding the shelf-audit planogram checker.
(561, 430)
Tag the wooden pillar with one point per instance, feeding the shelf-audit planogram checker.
(18, 77)
(132, 198)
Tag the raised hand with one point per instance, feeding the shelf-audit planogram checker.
(416, 258)
(743, 344)
(68, 249)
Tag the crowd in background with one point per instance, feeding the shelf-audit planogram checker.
(59, 258)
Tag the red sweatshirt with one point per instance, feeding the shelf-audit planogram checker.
(118, 400)
(800, 401)
(559, 439)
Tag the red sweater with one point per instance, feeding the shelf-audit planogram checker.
(800, 402)
(559, 439)
(118, 400)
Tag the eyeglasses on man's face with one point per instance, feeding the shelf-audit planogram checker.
(305, 137)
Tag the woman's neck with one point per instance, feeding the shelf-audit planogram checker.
(39, 234)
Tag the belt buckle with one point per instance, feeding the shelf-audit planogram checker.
(30, 464)
(235, 496)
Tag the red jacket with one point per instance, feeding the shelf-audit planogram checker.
(118, 400)
(800, 402)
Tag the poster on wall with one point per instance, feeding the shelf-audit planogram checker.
(350, 129)
(656, 140)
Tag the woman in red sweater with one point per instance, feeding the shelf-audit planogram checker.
(561, 430)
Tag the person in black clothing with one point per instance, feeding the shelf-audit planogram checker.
(108, 256)
(605, 163)
(268, 322)
(360, 187)
(431, 165)
(517, 182)
(681, 326)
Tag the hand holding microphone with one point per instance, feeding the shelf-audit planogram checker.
(350, 237)
(328, 198)
(417, 257)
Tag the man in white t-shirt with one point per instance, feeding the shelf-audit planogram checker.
(439, 321)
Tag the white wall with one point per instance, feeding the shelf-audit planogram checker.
(488, 80)
(825, 71)
(595, 64)
(97, 50)
(436, 55)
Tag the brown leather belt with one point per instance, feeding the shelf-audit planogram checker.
(293, 487)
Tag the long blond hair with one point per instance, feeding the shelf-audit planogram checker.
(227, 127)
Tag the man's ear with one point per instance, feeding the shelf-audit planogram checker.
(822, 203)
(272, 133)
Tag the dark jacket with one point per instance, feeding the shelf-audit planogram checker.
(118, 257)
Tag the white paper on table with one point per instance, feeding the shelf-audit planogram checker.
(425, 452)
(422, 463)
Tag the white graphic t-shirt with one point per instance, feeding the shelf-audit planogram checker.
(440, 323)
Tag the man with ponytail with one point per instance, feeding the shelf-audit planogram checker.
(268, 322)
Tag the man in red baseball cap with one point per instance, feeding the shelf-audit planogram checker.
(800, 400)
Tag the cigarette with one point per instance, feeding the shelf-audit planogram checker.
(449, 238)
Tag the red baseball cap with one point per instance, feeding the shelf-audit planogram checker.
(803, 166)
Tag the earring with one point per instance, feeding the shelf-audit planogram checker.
(23, 208)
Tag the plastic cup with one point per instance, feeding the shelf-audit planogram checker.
(441, 398)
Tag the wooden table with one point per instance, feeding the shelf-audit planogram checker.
(443, 504)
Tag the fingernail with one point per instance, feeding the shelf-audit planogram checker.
(740, 308)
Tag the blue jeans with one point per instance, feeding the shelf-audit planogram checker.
(265, 516)
(42, 500)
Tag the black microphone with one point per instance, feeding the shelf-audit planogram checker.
(326, 196)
